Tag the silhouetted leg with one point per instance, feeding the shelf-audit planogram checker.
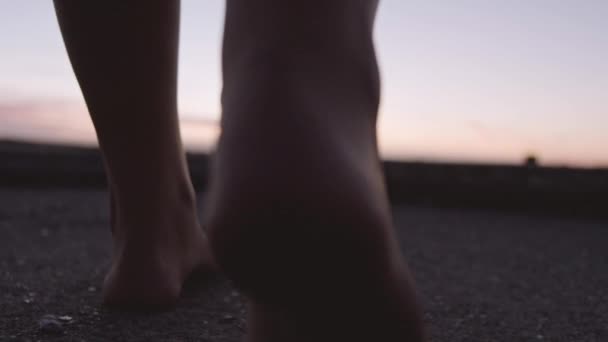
(124, 54)
(298, 212)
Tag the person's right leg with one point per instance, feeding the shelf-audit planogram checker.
(124, 54)
(297, 211)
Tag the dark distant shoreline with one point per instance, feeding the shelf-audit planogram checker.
(533, 189)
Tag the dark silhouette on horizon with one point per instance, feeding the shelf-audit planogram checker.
(560, 191)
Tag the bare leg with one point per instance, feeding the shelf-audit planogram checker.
(124, 54)
(298, 212)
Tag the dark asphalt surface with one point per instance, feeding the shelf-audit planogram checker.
(483, 276)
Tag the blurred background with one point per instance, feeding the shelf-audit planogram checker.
(464, 81)
(493, 129)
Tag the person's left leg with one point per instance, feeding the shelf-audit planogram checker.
(124, 54)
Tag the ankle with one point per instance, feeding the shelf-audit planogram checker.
(153, 210)
(288, 238)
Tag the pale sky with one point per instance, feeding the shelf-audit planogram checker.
(465, 80)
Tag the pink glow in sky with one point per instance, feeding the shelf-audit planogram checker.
(473, 80)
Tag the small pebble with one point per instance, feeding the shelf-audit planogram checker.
(92, 289)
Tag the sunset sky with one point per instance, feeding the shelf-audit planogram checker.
(465, 80)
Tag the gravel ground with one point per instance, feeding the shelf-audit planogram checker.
(483, 276)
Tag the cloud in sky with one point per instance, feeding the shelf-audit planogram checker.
(68, 122)
(458, 140)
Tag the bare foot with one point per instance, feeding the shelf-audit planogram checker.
(155, 251)
(300, 221)
(297, 211)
